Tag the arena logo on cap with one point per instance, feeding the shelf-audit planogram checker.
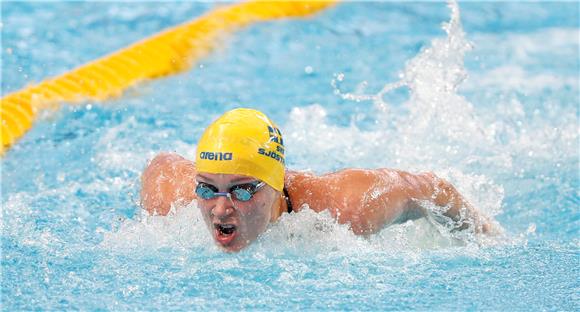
(216, 156)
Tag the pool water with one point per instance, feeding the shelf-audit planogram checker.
(490, 101)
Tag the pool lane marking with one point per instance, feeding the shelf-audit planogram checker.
(168, 52)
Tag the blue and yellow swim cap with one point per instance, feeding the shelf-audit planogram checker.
(243, 141)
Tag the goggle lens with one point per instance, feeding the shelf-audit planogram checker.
(204, 192)
(241, 192)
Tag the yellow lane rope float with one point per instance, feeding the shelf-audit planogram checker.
(165, 53)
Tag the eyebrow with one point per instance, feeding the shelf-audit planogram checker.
(243, 178)
(205, 178)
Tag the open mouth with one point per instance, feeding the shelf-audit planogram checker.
(224, 233)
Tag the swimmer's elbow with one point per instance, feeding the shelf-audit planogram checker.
(152, 200)
(154, 184)
(437, 190)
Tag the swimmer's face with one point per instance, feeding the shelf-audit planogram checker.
(233, 223)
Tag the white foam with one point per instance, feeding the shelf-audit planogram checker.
(442, 129)
(117, 151)
(183, 228)
(304, 233)
(442, 132)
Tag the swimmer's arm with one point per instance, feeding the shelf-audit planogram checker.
(168, 179)
(429, 187)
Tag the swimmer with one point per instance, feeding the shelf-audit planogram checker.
(241, 186)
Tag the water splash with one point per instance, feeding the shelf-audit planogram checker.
(61, 251)
(305, 233)
(439, 131)
(438, 68)
(182, 229)
(433, 78)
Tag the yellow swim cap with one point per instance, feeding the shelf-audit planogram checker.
(243, 141)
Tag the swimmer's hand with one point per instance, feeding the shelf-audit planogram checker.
(167, 179)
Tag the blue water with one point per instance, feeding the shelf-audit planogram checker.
(492, 105)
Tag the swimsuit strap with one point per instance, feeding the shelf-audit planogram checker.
(288, 202)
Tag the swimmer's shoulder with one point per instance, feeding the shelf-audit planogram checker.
(303, 187)
(341, 190)
(343, 174)
(350, 181)
(345, 181)
(296, 182)
(294, 178)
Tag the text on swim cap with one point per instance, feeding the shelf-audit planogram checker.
(271, 154)
(216, 156)
(276, 137)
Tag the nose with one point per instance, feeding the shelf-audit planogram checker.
(223, 207)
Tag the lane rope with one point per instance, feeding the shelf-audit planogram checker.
(168, 52)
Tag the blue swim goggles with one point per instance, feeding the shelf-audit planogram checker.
(242, 192)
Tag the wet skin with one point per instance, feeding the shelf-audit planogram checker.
(368, 200)
(232, 223)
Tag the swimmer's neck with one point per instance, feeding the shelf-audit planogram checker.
(281, 205)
